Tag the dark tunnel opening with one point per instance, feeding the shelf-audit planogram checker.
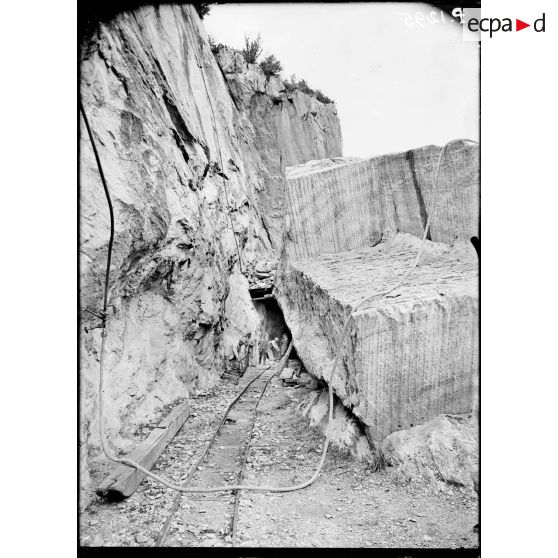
(273, 321)
(272, 339)
(272, 317)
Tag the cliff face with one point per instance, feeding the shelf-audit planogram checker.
(189, 176)
(290, 128)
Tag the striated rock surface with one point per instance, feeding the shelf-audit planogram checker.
(346, 203)
(409, 357)
(186, 172)
(353, 230)
(290, 128)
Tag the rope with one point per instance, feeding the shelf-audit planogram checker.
(111, 213)
(263, 488)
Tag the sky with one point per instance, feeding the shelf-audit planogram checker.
(399, 80)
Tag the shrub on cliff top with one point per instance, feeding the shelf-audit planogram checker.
(323, 98)
(252, 49)
(271, 66)
(301, 85)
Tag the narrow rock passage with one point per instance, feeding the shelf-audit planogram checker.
(348, 505)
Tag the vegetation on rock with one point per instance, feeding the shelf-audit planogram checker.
(292, 85)
(272, 67)
(252, 49)
(202, 8)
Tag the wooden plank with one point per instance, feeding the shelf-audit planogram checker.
(124, 481)
(291, 382)
(264, 297)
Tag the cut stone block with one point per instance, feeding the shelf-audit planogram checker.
(409, 357)
(353, 229)
(342, 204)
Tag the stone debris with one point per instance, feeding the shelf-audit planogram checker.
(345, 433)
(261, 273)
(444, 449)
(294, 375)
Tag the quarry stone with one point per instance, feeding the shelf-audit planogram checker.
(344, 203)
(353, 230)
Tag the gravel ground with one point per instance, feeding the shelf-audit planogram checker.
(347, 506)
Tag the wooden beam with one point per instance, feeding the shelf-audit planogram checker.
(265, 297)
(124, 481)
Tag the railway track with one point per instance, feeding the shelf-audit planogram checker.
(226, 453)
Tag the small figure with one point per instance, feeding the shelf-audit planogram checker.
(242, 353)
(273, 349)
(263, 349)
(284, 344)
(249, 351)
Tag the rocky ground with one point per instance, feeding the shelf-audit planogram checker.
(348, 505)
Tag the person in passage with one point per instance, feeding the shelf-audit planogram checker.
(256, 353)
(284, 344)
(263, 348)
(273, 349)
(249, 350)
(242, 357)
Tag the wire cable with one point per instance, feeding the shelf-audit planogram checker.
(111, 211)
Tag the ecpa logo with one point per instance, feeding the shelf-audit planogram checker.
(475, 26)
(494, 25)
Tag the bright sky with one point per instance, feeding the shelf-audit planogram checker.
(396, 86)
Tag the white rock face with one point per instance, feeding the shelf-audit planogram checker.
(353, 230)
(186, 174)
(290, 129)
